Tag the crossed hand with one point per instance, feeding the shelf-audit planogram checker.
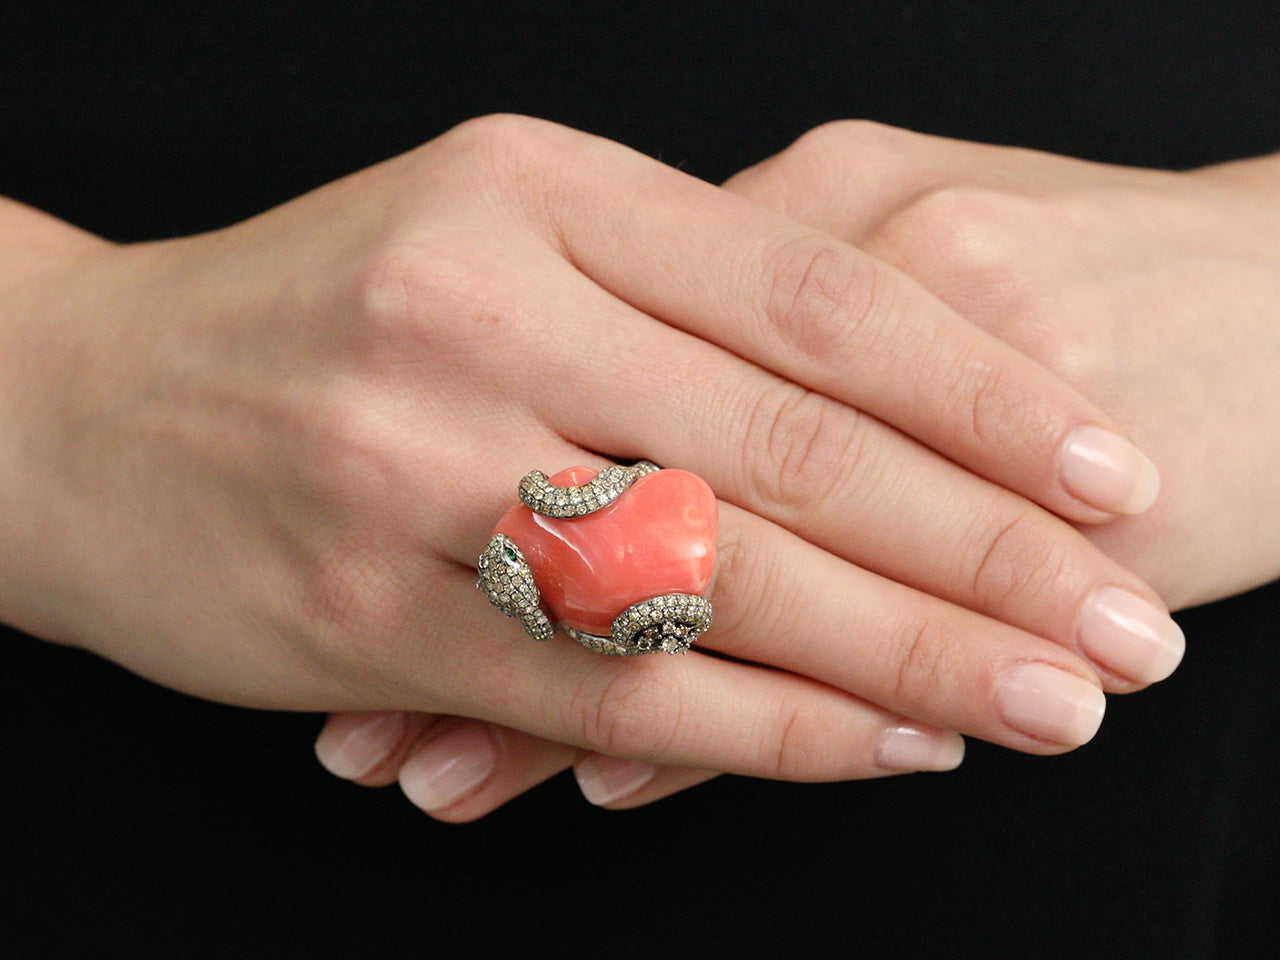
(930, 383)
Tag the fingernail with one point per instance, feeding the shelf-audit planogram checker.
(351, 751)
(909, 749)
(1130, 636)
(1050, 704)
(449, 767)
(606, 779)
(1107, 471)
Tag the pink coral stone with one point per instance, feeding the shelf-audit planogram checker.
(659, 537)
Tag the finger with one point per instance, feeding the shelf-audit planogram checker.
(463, 771)
(810, 613)
(372, 748)
(454, 769)
(856, 650)
(369, 747)
(842, 178)
(819, 312)
(695, 711)
(459, 770)
(847, 177)
(973, 223)
(621, 784)
(850, 484)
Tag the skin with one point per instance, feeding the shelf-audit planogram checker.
(1156, 294)
(257, 466)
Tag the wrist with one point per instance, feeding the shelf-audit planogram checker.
(42, 288)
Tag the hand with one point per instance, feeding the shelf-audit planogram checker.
(1156, 294)
(258, 466)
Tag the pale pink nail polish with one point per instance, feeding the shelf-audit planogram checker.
(1106, 471)
(909, 748)
(449, 767)
(351, 750)
(1130, 636)
(604, 779)
(1044, 702)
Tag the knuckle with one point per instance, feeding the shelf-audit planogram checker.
(917, 665)
(821, 296)
(992, 403)
(773, 182)
(799, 444)
(981, 388)
(494, 126)
(786, 180)
(501, 140)
(517, 162)
(415, 297)
(1014, 561)
(390, 288)
(797, 746)
(630, 713)
(972, 230)
(855, 137)
(1060, 330)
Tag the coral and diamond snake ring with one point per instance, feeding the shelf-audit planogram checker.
(621, 558)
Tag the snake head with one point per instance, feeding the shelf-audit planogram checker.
(507, 581)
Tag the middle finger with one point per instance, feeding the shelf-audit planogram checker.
(849, 484)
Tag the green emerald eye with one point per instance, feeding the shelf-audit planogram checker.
(510, 554)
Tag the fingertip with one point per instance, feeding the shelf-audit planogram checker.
(598, 774)
(449, 767)
(1130, 637)
(1106, 471)
(911, 748)
(1047, 703)
(604, 780)
(353, 745)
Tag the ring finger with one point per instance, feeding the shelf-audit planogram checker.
(784, 602)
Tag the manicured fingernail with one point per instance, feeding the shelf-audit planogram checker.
(909, 748)
(351, 751)
(1107, 471)
(446, 769)
(1050, 704)
(606, 779)
(1129, 636)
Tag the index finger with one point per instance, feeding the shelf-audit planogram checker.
(837, 321)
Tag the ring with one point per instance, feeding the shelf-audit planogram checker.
(621, 558)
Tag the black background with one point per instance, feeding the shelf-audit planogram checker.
(142, 821)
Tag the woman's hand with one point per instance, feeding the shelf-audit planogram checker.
(258, 466)
(1156, 294)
